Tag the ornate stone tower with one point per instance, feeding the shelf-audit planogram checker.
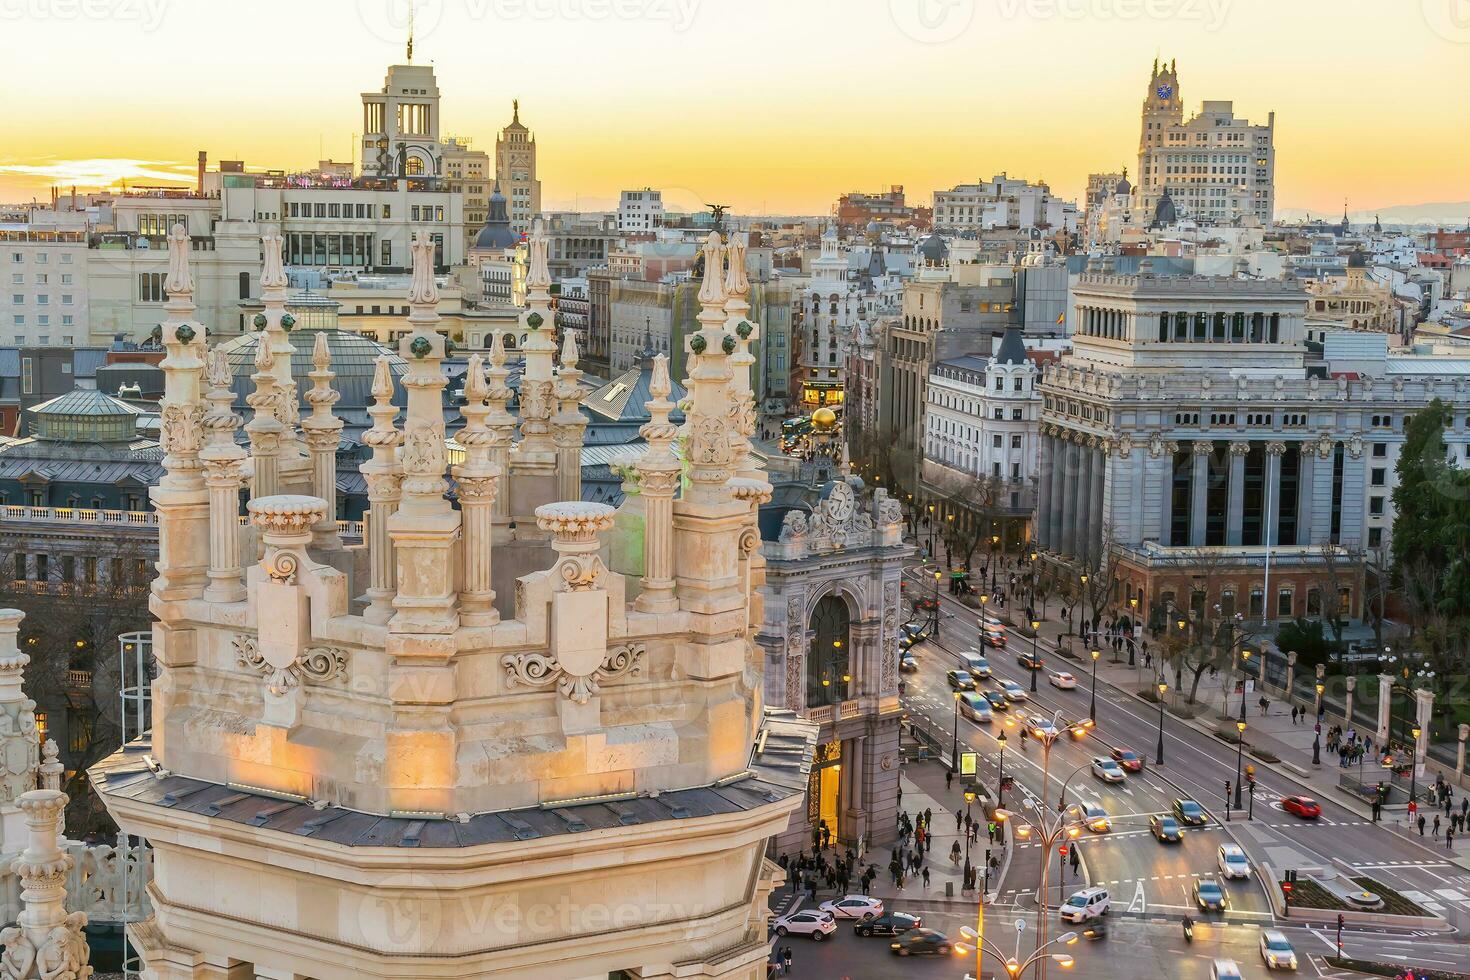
(468, 748)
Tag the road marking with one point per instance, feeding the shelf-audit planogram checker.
(1140, 901)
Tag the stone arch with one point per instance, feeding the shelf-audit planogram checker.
(832, 659)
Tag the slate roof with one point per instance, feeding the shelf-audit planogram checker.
(353, 359)
(623, 398)
(779, 767)
(85, 401)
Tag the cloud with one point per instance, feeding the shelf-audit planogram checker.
(94, 171)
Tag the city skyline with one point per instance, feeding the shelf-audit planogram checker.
(894, 94)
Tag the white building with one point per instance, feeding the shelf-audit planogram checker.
(1002, 202)
(400, 125)
(831, 305)
(640, 211)
(983, 414)
(45, 300)
(1216, 166)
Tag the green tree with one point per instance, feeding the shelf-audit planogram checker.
(1431, 529)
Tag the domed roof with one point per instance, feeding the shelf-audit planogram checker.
(933, 248)
(354, 358)
(1165, 213)
(497, 234)
(1357, 260)
(1123, 187)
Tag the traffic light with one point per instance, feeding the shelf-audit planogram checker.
(1286, 886)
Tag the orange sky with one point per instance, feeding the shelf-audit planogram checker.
(770, 107)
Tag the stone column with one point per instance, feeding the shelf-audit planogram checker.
(1271, 501)
(323, 435)
(181, 498)
(222, 459)
(1322, 495)
(1058, 491)
(1043, 493)
(267, 434)
(1423, 715)
(1385, 708)
(1290, 672)
(19, 745)
(1097, 470)
(478, 482)
(1235, 513)
(45, 941)
(1352, 686)
(384, 477)
(658, 478)
(502, 423)
(569, 424)
(1167, 451)
(1074, 506)
(1199, 485)
(1306, 490)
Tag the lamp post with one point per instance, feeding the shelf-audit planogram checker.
(1163, 689)
(1092, 713)
(1416, 731)
(1035, 625)
(954, 752)
(1317, 729)
(969, 798)
(1086, 623)
(1000, 783)
(931, 533)
(984, 598)
(1013, 965)
(949, 539)
(1133, 638)
(1239, 748)
(936, 603)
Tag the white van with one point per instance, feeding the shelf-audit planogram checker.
(1089, 903)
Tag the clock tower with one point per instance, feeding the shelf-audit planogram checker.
(515, 169)
(1163, 111)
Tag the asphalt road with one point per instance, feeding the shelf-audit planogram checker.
(1149, 878)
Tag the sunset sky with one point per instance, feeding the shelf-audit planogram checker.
(772, 107)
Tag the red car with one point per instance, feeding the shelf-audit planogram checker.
(1128, 759)
(1303, 806)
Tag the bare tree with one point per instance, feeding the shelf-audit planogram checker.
(70, 633)
(1338, 570)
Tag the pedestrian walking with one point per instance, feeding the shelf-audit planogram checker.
(1436, 826)
(926, 879)
(786, 958)
(1293, 714)
(948, 779)
(1449, 839)
(1421, 826)
(959, 818)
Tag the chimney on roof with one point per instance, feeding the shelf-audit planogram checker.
(203, 156)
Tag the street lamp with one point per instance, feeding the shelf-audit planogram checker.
(969, 798)
(1416, 731)
(931, 531)
(1035, 626)
(1239, 747)
(954, 752)
(1132, 640)
(1317, 729)
(1000, 784)
(936, 603)
(1047, 828)
(1014, 965)
(1093, 712)
(984, 598)
(1086, 623)
(1163, 689)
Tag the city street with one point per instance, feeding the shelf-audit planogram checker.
(1151, 883)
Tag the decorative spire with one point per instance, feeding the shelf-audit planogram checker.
(477, 479)
(710, 452)
(383, 477)
(499, 420)
(569, 424)
(222, 474)
(265, 427)
(539, 352)
(277, 324)
(424, 456)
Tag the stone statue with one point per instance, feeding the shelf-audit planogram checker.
(19, 955)
(794, 526)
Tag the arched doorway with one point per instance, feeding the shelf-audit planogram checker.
(827, 671)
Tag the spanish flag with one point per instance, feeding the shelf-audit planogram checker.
(1062, 317)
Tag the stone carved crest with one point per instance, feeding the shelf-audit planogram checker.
(1156, 445)
(793, 527)
(423, 449)
(316, 664)
(537, 669)
(182, 432)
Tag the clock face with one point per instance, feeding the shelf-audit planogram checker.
(1166, 92)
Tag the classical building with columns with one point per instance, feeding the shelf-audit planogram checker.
(511, 734)
(1187, 431)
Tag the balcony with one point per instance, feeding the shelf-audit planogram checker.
(122, 518)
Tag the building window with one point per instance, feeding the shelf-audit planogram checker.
(1375, 537)
(1375, 506)
(244, 285)
(150, 287)
(1379, 475)
(1284, 603)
